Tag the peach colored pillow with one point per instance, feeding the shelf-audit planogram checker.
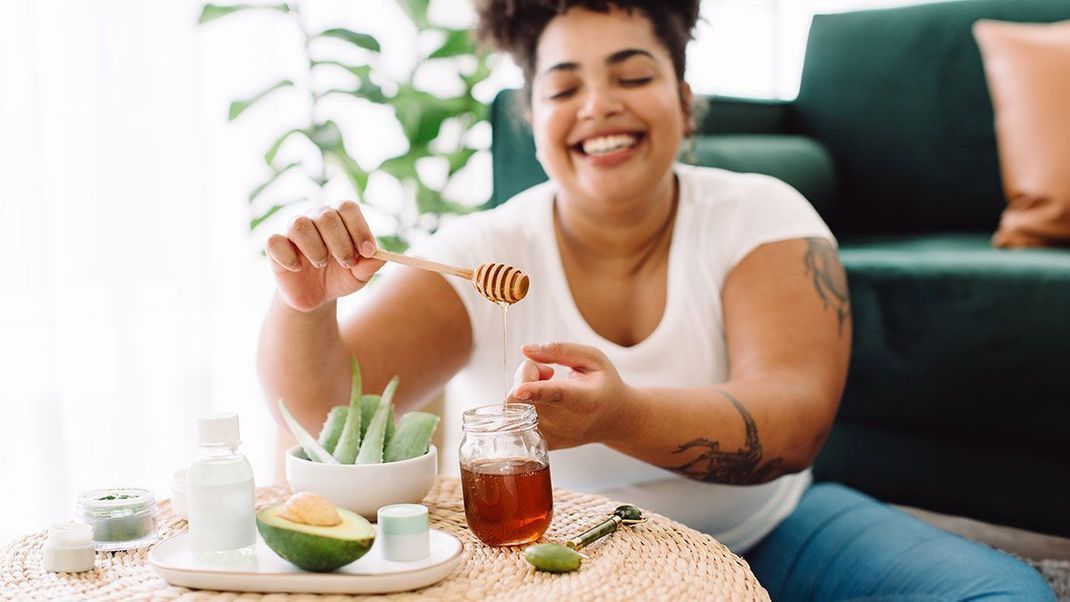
(1028, 71)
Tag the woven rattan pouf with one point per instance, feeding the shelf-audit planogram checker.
(658, 560)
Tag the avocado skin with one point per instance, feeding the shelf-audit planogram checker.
(310, 551)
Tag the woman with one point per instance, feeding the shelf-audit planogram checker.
(687, 333)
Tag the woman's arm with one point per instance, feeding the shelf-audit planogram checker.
(788, 334)
(302, 360)
(412, 324)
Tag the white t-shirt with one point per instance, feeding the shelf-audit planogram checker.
(721, 217)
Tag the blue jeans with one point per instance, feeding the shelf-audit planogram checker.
(842, 545)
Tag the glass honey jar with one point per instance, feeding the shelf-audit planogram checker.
(505, 474)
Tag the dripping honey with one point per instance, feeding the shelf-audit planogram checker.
(505, 350)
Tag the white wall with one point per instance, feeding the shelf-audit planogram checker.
(754, 48)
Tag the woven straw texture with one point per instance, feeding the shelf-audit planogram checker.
(658, 560)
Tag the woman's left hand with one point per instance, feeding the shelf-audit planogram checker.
(580, 409)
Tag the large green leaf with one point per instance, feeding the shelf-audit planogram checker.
(370, 91)
(392, 243)
(271, 180)
(474, 111)
(238, 107)
(458, 42)
(367, 91)
(326, 136)
(361, 40)
(211, 12)
(479, 111)
(269, 156)
(426, 199)
(417, 11)
(356, 175)
(421, 114)
(429, 200)
(403, 166)
(361, 71)
(459, 158)
(481, 72)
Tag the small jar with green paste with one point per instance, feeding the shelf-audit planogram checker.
(122, 518)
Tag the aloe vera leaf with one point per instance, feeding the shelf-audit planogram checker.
(332, 427)
(389, 426)
(368, 405)
(311, 447)
(412, 437)
(349, 440)
(371, 449)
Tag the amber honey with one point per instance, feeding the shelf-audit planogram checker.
(507, 501)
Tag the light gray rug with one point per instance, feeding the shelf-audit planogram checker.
(1057, 572)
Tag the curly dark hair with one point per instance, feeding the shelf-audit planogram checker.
(514, 26)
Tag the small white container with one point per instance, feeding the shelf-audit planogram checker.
(179, 486)
(404, 532)
(69, 548)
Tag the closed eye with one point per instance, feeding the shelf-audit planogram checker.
(563, 94)
(636, 81)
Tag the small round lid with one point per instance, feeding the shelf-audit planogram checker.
(216, 428)
(116, 498)
(70, 534)
(403, 519)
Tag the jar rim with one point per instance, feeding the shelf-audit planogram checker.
(500, 418)
(127, 497)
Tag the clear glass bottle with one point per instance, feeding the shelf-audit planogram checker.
(505, 474)
(221, 496)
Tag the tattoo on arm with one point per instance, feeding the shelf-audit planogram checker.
(830, 280)
(742, 467)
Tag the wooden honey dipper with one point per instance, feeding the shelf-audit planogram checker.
(497, 282)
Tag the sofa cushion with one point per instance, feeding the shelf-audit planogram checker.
(963, 347)
(899, 98)
(1028, 69)
(512, 146)
(800, 161)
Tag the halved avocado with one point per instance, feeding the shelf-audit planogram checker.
(315, 548)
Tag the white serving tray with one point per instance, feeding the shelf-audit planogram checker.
(268, 572)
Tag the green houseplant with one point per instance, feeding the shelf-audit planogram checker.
(420, 114)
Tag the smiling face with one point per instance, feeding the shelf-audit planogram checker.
(607, 110)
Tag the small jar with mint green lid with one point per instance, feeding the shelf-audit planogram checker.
(404, 532)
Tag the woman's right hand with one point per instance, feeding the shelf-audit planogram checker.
(324, 255)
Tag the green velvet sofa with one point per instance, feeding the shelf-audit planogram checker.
(958, 397)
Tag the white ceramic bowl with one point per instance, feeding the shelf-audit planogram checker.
(364, 488)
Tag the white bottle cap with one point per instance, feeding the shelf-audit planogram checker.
(218, 428)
